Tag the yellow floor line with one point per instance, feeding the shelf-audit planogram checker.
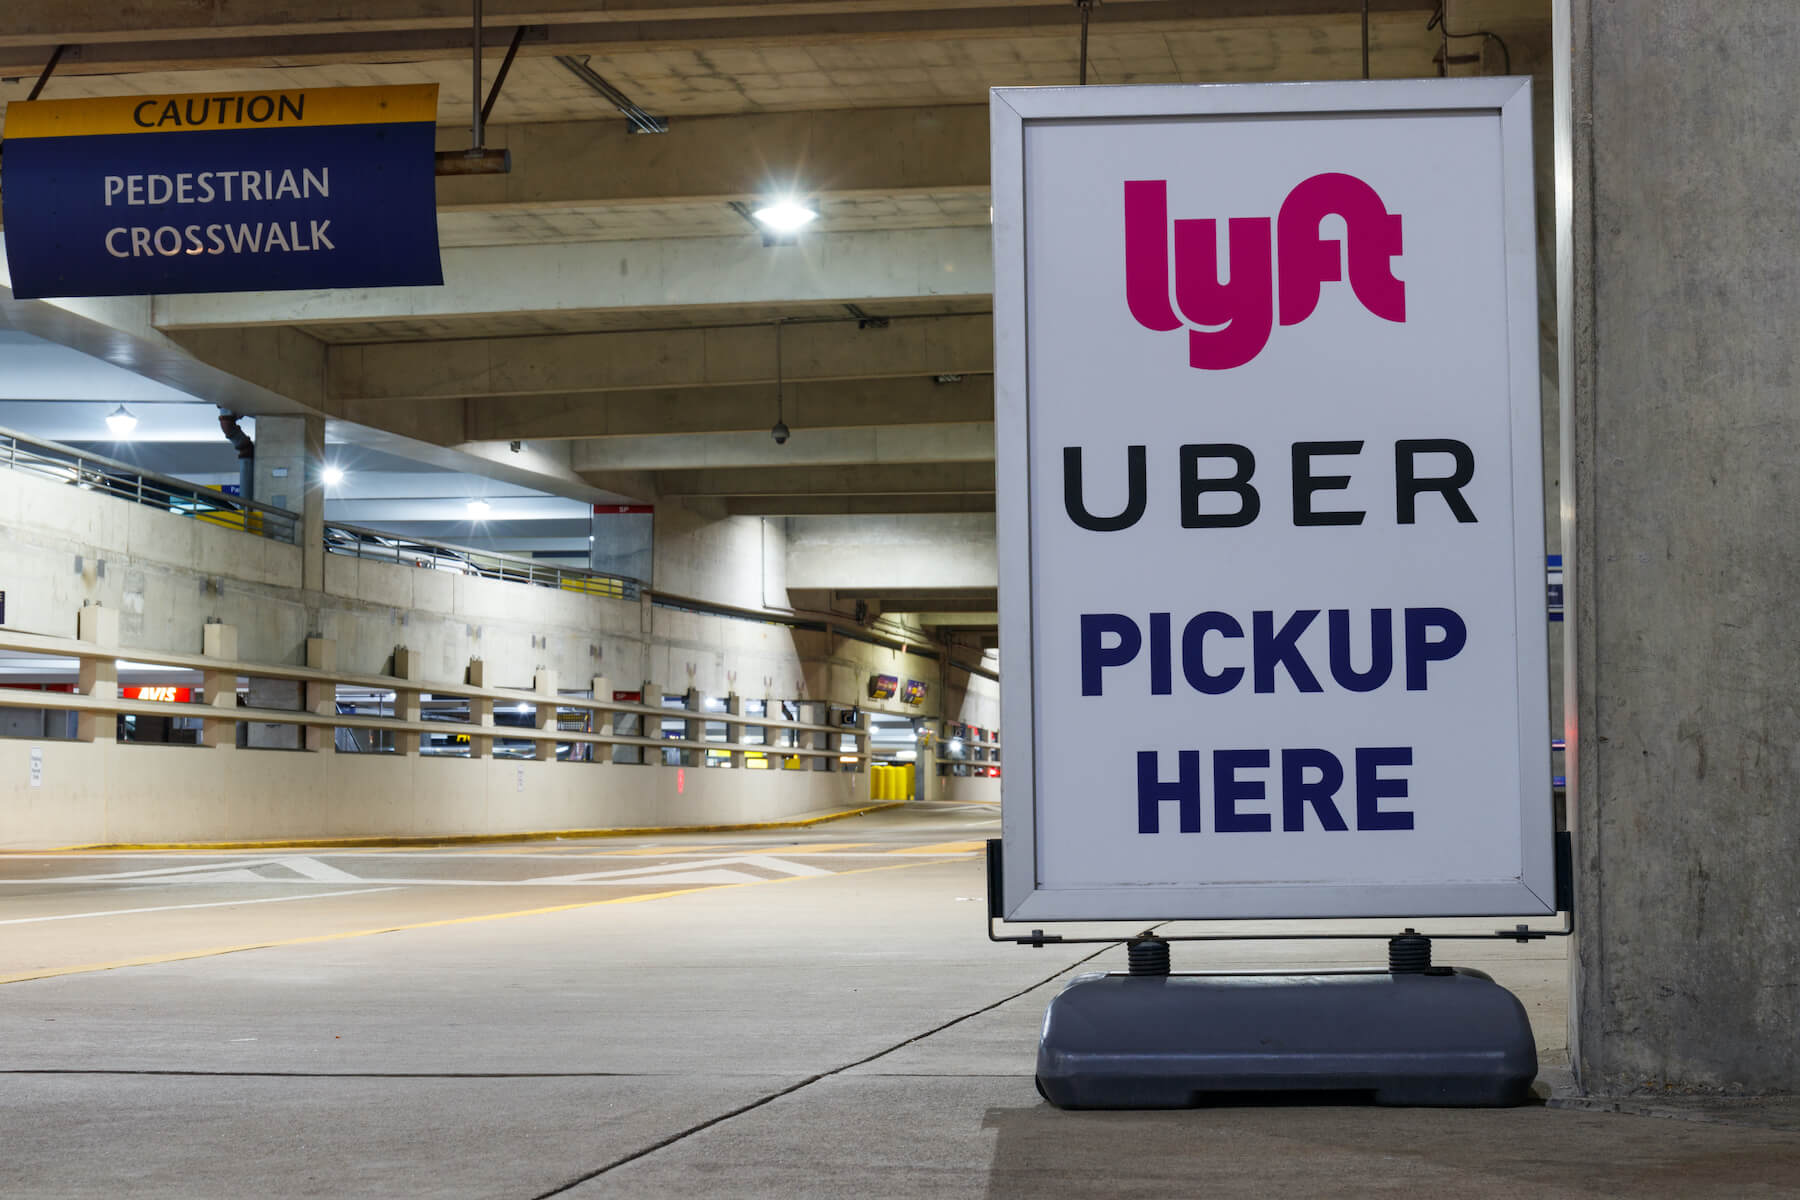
(473, 839)
(155, 959)
(942, 848)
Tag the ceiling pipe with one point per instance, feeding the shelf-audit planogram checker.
(246, 452)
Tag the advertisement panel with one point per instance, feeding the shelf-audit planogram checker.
(220, 192)
(1270, 501)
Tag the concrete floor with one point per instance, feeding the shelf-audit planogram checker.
(768, 1014)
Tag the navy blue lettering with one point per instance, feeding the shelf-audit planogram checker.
(1162, 669)
(1421, 649)
(1185, 791)
(1193, 648)
(1228, 789)
(1381, 650)
(1321, 793)
(1270, 649)
(1095, 656)
(1371, 788)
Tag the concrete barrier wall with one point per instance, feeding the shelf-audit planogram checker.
(105, 794)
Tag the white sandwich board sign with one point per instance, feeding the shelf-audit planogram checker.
(1270, 501)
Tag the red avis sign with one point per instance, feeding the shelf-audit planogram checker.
(1243, 301)
(168, 695)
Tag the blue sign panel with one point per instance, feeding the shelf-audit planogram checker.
(311, 189)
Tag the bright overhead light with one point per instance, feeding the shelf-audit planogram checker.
(332, 476)
(479, 508)
(121, 422)
(785, 216)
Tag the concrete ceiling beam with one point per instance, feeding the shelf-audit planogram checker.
(598, 362)
(855, 506)
(176, 34)
(880, 150)
(956, 604)
(872, 479)
(862, 268)
(837, 447)
(740, 409)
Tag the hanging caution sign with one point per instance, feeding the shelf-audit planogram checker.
(1266, 407)
(234, 191)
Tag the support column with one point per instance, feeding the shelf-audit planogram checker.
(290, 460)
(602, 722)
(734, 730)
(693, 730)
(221, 642)
(481, 712)
(1679, 304)
(321, 698)
(650, 726)
(99, 677)
(409, 666)
(544, 712)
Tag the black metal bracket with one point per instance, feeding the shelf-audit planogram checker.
(1038, 939)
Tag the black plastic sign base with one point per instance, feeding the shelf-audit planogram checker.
(1451, 1037)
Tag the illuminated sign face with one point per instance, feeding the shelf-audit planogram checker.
(167, 695)
(914, 693)
(883, 687)
(1292, 573)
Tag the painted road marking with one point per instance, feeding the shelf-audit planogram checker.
(153, 960)
(943, 848)
(126, 912)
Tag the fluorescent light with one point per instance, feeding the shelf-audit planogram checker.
(785, 216)
(479, 508)
(121, 422)
(332, 476)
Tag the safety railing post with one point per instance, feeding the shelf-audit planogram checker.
(544, 717)
(481, 711)
(220, 642)
(601, 720)
(99, 673)
(734, 730)
(693, 729)
(321, 697)
(409, 666)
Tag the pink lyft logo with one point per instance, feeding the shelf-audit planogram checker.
(1244, 304)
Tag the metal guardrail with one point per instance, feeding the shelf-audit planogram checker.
(109, 476)
(356, 541)
(223, 709)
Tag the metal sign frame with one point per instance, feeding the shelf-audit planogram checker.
(1012, 110)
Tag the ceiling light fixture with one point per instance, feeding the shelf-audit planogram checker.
(479, 508)
(121, 422)
(786, 215)
(332, 476)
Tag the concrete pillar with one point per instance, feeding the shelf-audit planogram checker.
(481, 712)
(99, 677)
(221, 642)
(651, 694)
(734, 730)
(290, 457)
(821, 739)
(693, 730)
(1680, 297)
(408, 665)
(862, 741)
(321, 698)
(602, 722)
(544, 714)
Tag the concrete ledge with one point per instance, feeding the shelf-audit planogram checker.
(108, 794)
(496, 838)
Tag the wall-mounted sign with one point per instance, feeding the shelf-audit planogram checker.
(883, 687)
(1267, 425)
(35, 769)
(166, 694)
(914, 693)
(223, 192)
